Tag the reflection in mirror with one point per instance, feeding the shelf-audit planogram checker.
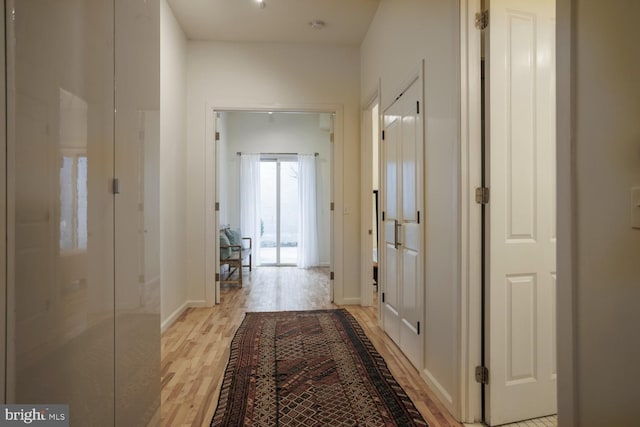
(137, 216)
(73, 172)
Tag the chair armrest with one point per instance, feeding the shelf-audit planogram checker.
(232, 247)
(249, 239)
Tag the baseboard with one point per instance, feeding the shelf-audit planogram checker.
(178, 312)
(166, 324)
(351, 301)
(197, 303)
(442, 394)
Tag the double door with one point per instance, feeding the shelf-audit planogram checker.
(402, 231)
(83, 266)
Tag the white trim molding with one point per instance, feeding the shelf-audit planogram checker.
(470, 244)
(366, 201)
(441, 391)
(173, 317)
(179, 311)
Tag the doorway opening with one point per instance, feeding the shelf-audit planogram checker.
(375, 211)
(273, 185)
(370, 202)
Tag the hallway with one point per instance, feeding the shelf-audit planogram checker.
(195, 348)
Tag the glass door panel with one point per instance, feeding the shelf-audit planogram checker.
(279, 211)
(268, 213)
(289, 212)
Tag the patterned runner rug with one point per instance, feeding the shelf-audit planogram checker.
(309, 368)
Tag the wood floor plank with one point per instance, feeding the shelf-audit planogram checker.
(195, 349)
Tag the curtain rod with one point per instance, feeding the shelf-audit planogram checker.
(278, 154)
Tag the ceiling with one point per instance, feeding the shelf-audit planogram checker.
(287, 21)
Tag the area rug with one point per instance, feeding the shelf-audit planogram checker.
(309, 368)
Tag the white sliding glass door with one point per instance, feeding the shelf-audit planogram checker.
(279, 210)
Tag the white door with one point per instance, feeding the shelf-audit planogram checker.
(522, 237)
(402, 231)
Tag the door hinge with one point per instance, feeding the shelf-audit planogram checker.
(482, 375)
(418, 217)
(332, 206)
(383, 135)
(217, 206)
(217, 136)
(331, 276)
(418, 328)
(417, 107)
(482, 195)
(383, 297)
(115, 186)
(482, 20)
(331, 137)
(217, 277)
(383, 215)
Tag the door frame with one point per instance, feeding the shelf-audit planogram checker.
(470, 219)
(212, 193)
(470, 344)
(366, 193)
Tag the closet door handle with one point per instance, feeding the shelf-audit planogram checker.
(395, 234)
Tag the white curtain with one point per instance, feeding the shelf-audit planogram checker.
(308, 248)
(250, 201)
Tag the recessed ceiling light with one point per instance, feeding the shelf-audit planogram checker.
(261, 3)
(317, 24)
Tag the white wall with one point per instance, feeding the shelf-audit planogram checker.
(402, 33)
(276, 133)
(225, 74)
(599, 272)
(173, 152)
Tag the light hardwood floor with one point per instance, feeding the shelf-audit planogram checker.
(195, 349)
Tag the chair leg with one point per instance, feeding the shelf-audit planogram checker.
(240, 273)
(250, 255)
